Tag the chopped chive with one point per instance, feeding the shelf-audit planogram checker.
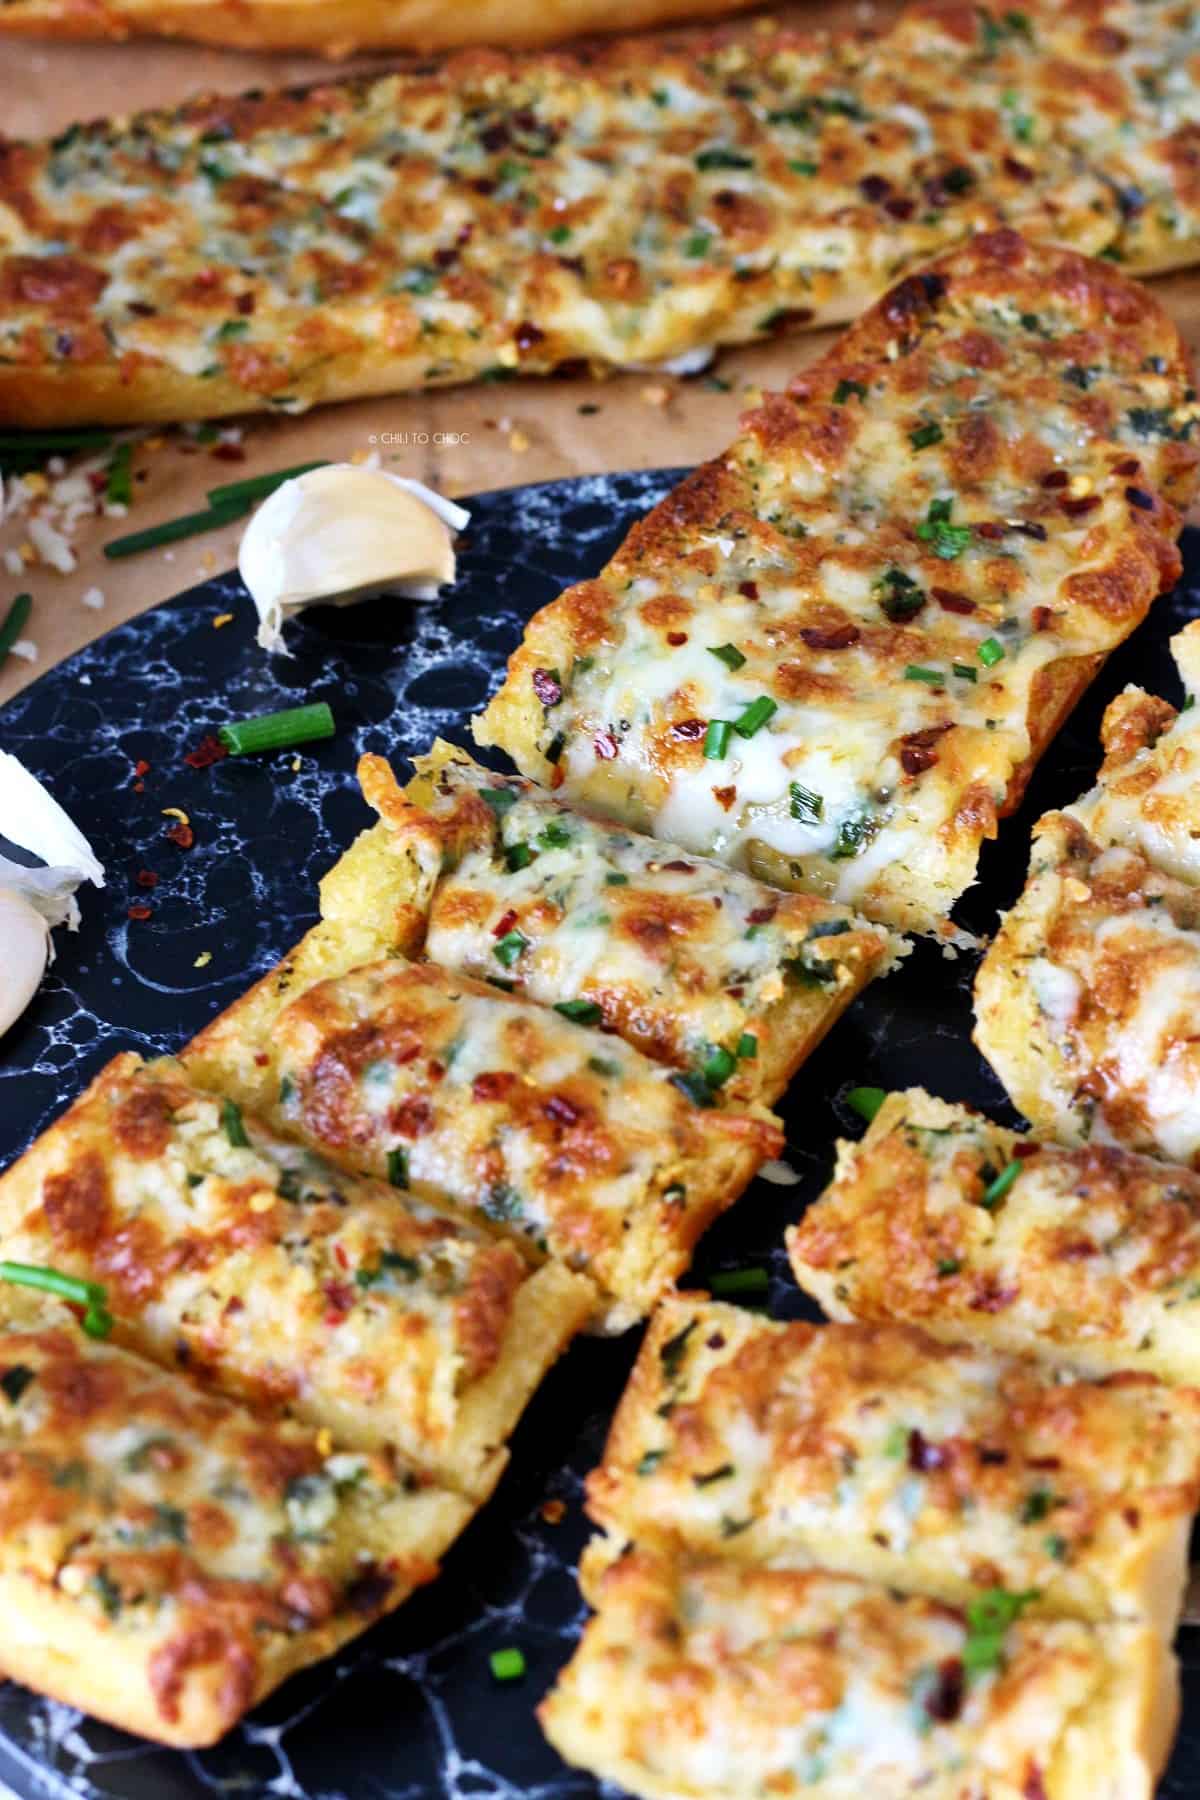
(747, 1047)
(692, 1083)
(948, 1265)
(507, 1665)
(233, 1126)
(740, 1281)
(988, 1619)
(866, 1101)
(915, 672)
(964, 670)
(518, 856)
(278, 731)
(556, 746)
(729, 654)
(615, 879)
(580, 1012)
(171, 530)
(698, 244)
(756, 716)
(46, 443)
(844, 389)
(806, 806)
(15, 621)
(118, 482)
(716, 739)
(990, 652)
(995, 1191)
(718, 1066)
(948, 541)
(554, 835)
(510, 948)
(499, 799)
(257, 487)
(397, 1168)
(97, 1320)
(924, 435)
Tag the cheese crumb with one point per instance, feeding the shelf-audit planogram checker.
(203, 960)
(324, 1441)
(222, 619)
(518, 443)
(262, 1202)
(93, 597)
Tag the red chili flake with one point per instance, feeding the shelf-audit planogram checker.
(1023, 1149)
(678, 867)
(924, 1456)
(504, 923)
(1035, 1787)
(784, 317)
(1132, 1517)
(547, 687)
(875, 188)
(1140, 498)
(749, 589)
(1018, 170)
(725, 797)
(943, 1702)
(917, 751)
(527, 335)
(493, 1084)
(1041, 618)
(208, 751)
(992, 529)
(1129, 465)
(181, 834)
(605, 745)
(554, 1511)
(245, 304)
(1086, 503)
(557, 776)
(990, 1297)
(140, 912)
(1047, 1463)
(951, 602)
(1055, 479)
(761, 915)
(675, 638)
(339, 1251)
(562, 1110)
(406, 1056)
(992, 1459)
(141, 768)
(261, 1060)
(340, 1298)
(834, 637)
(688, 728)
(229, 453)
(146, 878)
(413, 1118)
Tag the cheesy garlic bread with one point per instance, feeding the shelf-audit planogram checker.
(1088, 1001)
(700, 1679)
(165, 1558)
(572, 1143)
(1089, 1257)
(493, 214)
(916, 559)
(875, 1451)
(271, 1275)
(691, 962)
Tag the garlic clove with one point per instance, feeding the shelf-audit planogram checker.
(339, 533)
(32, 818)
(25, 946)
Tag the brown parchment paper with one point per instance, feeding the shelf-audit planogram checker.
(459, 440)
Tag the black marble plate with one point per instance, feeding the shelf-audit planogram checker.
(411, 1709)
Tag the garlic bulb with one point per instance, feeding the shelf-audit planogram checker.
(340, 533)
(32, 900)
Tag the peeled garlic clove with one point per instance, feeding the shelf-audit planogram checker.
(340, 533)
(34, 899)
(24, 953)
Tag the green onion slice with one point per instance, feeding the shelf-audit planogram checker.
(97, 1320)
(740, 1281)
(258, 487)
(278, 731)
(580, 1012)
(756, 716)
(716, 740)
(729, 654)
(866, 1101)
(995, 1191)
(990, 652)
(507, 1665)
(171, 530)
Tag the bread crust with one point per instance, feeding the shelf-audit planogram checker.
(337, 28)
